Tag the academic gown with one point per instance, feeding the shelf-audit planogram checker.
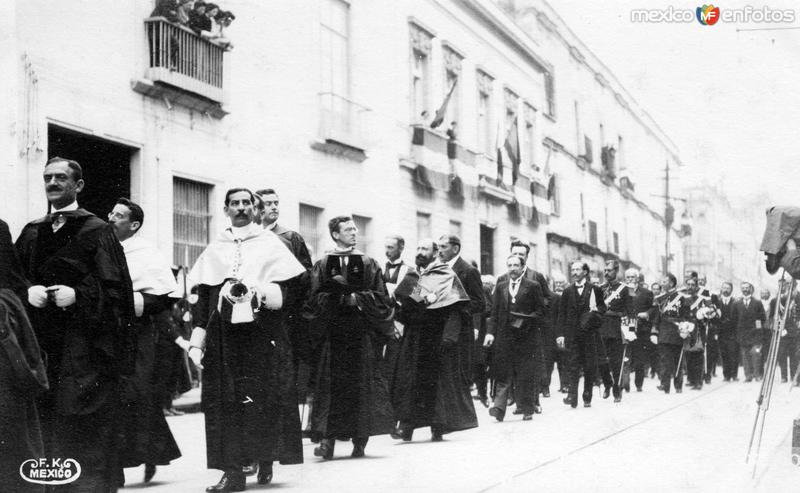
(427, 383)
(351, 398)
(88, 345)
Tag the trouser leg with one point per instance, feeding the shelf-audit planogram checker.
(614, 348)
(501, 391)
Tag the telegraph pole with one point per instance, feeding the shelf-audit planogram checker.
(667, 218)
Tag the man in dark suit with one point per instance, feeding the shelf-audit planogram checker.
(643, 313)
(556, 356)
(517, 308)
(450, 253)
(749, 316)
(544, 332)
(580, 317)
(726, 332)
(675, 308)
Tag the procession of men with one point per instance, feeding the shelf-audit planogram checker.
(364, 350)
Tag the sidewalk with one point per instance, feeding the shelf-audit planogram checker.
(188, 402)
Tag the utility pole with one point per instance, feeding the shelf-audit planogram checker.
(667, 218)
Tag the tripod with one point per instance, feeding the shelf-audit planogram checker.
(779, 321)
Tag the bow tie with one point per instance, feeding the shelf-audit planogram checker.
(57, 219)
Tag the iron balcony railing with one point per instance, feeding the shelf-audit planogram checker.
(181, 58)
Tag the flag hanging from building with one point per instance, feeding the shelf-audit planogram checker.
(511, 146)
(438, 119)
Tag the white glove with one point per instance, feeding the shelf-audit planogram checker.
(65, 296)
(654, 339)
(630, 336)
(37, 296)
(643, 315)
(138, 304)
(784, 332)
(488, 340)
(271, 295)
(398, 329)
(196, 355)
(475, 333)
(183, 343)
(430, 298)
(560, 342)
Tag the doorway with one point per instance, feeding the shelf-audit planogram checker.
(487, 249)
(106, 166)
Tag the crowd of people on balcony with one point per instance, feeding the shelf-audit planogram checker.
(206, 19)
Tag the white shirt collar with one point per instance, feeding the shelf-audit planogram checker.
(580, 284)
(71, 207)
(453, 260)
(395, 263)
(340, 249)
(241, 231)
(272, 226)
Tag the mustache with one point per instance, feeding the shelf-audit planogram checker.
(53, 188)
(241, 214)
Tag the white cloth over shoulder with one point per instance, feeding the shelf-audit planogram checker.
(149, 270)
(264, 258)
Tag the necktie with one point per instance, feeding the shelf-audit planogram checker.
(58, 221)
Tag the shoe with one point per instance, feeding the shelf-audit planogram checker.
(707, 379)
(230, 481)
(587, 404)
(638, 389)
(571, 401)
(264, 473)
(697, 387)
(436, 435)
(325, 449)
(537, 409)
(250, 469)
(359, 444)
(527, 417)
(617, 398)
(606, 392)
(627, 388)
(149, 472)
(517, 411)
(678, 390)
(748, 380)
(496, 413)
(403, 434)
(546, 393)
(564, 390)
(485, 401)
(735, 379)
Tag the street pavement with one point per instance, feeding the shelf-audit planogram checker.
(694, 442)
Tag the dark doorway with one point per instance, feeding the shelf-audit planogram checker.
(106, 166)
(487, 249)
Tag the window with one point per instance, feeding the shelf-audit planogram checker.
(419, 86)
(455, 228)
(334, 46)
(311, 229)
(364, 239)
(553, 195)
(424, 229)
(452, 72)
(588, 149)
(593, 233)
(191, 220)
(484, 141)
(616, 242)
(487, 249)
(528, 135)
(549, 89)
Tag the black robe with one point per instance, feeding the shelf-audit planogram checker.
(147, 437)
(88, 345)
(22, 374)
(351, 397)
(248, 393)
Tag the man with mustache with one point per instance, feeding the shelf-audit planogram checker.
(426, 382)
(244, 283)
(81, 308)
(618, 302)
(579, 319)
(643, 311)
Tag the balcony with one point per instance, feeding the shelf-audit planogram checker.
(182, 68)
(341, 127)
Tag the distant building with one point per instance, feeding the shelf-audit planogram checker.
(323, 101)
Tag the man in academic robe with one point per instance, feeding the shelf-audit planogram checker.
(22, 374)
(674, 310)
(517, 309)
(240, 339)
(618, 305)
(643, 312)
(580, 317)
(726, 330)
(302, 350)
(81, 308)
(147, 437)
(426, 382)
(394, 272)
(350, 316)
(750, 318)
